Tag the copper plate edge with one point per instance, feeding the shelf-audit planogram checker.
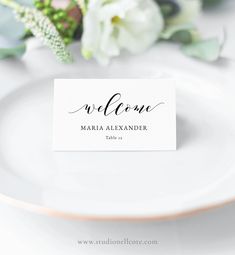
(76, 216)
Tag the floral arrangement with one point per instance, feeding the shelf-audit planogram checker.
(106, 27)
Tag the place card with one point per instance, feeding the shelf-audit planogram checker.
(114, 115)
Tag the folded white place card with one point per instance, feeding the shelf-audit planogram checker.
(114, 115)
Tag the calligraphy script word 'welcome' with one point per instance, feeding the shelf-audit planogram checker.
(114, 106)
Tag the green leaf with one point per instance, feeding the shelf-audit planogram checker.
(207, 50)
(183, 33)
(168, 8)
(16, 51)
(209, 3)
(183, 36)
(169, 31)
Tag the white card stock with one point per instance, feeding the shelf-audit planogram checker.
(114, 115)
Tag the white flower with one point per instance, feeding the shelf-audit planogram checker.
(189, 10)
(112, 25)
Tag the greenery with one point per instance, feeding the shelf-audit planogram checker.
(57, 27)
(40, 26)
(209, 3)
(16, 51)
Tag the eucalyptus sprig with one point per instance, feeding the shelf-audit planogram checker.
(41, 27)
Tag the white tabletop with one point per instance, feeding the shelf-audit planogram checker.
(26, 233)
(212, 232)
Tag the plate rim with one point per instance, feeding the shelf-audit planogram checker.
(55, 213)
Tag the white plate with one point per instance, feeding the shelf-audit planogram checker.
(119, 185)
